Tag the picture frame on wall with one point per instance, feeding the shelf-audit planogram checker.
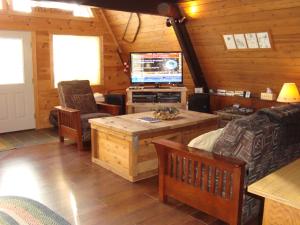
(240, 41)
(248, 41)
(263, 40)
(247, 94)
(251, 40)
(229, 41)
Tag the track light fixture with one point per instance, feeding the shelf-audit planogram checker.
(169, 22)
(181, 20)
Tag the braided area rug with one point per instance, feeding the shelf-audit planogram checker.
(23, 211)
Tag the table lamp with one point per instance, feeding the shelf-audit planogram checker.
(289, 93)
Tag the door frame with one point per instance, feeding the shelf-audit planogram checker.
(34, 78)
(28, 36)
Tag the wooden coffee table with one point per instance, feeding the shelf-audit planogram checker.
(122, 144)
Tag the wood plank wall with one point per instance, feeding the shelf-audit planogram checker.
(208, 20)
(154, 35)
(233, 70)
(47, 22)
(253, 70)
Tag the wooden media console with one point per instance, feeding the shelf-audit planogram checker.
(142, 99)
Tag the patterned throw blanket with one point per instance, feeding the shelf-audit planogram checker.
(288, 117)
(22, 211)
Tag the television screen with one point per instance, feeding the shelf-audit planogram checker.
(156, 68)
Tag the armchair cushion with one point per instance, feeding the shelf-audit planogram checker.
(85, 103)
(77, 94)
(77, 106)
(85, 118)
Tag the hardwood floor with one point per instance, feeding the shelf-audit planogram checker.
(65, 180)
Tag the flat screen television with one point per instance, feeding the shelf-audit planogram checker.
(156, 68)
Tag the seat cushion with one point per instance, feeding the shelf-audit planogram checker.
(85, 118)
(53, 118)
(85, 103)
(206, 141)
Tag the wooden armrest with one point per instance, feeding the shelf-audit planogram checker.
(66, 109)
(109, 108)
(68, 117)
(164, 145)
(108, 105)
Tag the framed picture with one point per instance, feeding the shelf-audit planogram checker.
(247, 94)
(240, 41)
(251, 40)
(263, 40)
(229, 41)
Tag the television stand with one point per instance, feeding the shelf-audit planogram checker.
(156, 87)
(144, 99)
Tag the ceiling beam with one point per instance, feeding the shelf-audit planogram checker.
(156, 7)
(189, 52)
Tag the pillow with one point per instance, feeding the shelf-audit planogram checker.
(85, 103)
(206, 141)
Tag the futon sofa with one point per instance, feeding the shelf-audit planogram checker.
(247, 150)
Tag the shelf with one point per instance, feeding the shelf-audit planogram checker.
(168, 93)
(218, 102)
(154, 103)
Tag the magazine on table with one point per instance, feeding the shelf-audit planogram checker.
(149, 119)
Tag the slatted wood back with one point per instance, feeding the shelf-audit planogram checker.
(211, 183)
(200, 174)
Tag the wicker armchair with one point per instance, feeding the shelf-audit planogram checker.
(77, 106)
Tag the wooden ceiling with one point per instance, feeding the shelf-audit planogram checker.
(156, 7)
(167, 8)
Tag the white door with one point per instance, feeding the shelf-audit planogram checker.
(16, 87)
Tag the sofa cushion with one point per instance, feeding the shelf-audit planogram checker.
(285, 113)
(85, 118)
(256, 140)
(230, 140)
(288, 117)
(85, 103)
(206, 141)
(253, 121)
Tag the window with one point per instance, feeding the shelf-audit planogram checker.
(11, 61)
(27, 5)
(1, 5)
(76, 58)
(21, 5)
